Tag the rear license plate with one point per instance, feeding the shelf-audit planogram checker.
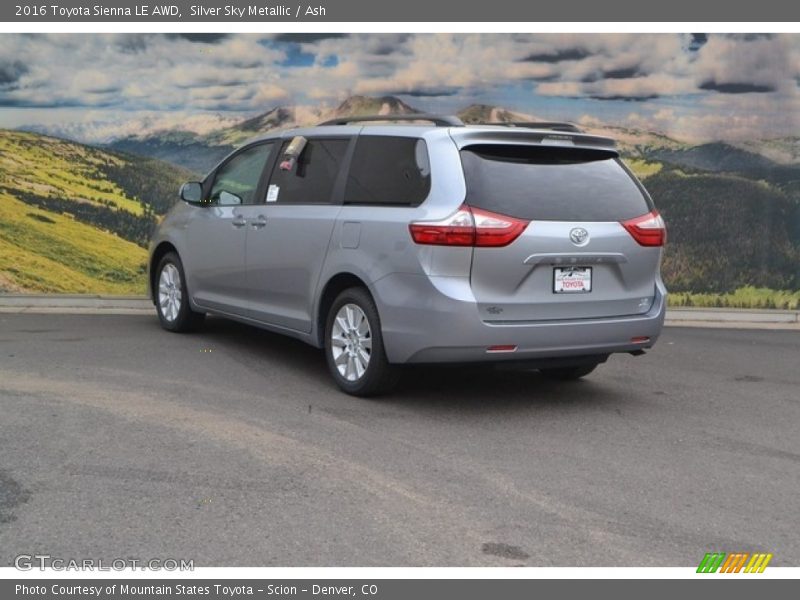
(572, 280)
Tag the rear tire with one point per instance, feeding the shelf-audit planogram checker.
(354, 346)
(172, 297)
(568, 373)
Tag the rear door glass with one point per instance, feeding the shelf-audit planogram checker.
(311, 177)
(551, 183)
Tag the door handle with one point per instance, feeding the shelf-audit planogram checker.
(239, 222)
(259, 222)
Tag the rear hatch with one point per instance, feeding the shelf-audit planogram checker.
(577, 256)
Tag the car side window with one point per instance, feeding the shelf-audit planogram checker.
(389, 170)
(236, 181)
(311, 177)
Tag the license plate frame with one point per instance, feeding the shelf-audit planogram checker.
(575, 285)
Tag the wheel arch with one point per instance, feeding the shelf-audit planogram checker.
(332, 288)
(159, 252)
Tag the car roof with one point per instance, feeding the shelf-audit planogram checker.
(540, 133)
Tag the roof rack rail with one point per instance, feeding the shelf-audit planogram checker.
(554, 125)
(438, 120)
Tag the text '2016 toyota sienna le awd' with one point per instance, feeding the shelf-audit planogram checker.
(390, 243)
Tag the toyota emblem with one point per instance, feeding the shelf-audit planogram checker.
(579, 236)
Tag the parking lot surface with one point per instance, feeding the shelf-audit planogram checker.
(232, 447)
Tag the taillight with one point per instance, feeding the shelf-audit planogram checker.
(469, 227)
(492, 229)
(647, 230)
(456, 230)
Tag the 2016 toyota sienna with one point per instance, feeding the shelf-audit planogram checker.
(428, 241)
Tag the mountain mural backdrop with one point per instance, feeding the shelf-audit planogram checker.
(76, 218)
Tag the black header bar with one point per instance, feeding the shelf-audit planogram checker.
(337, 11)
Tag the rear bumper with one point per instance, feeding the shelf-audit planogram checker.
(435, 320)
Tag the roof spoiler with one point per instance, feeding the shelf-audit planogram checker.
(552, 125)
(468, 136)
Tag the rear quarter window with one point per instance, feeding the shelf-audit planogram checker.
(389, 170)
(551, 183)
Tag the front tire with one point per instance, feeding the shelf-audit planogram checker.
(354, 345)
(568, 373)
(172, 296)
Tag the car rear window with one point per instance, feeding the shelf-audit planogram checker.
(551, 183)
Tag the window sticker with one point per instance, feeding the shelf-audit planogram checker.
(272, 193)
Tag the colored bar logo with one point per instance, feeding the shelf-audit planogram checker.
(734, 562)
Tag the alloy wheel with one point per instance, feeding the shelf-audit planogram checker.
(169, 292)
(351, 342)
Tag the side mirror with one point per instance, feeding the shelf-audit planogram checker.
(192, 192)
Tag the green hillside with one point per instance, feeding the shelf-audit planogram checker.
(182, 148)
(75, 219)
(643, 168)
(727, 232)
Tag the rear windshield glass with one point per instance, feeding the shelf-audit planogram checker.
(551, 183)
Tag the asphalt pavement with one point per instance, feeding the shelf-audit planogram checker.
(232, 447)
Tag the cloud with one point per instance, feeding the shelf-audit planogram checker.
(138, 72)
(267, 94)
(692, 74)
(93, 81)
(634, 88)
(162, 67)
(697, 128)
(621, 98)
(736, 87)
(198, 76)
(750, 37)
(622, 73)
(734, 64)
(732, 117)
(426, 92)
(11, 71)
(697, 40)
(102, 126)
(558, 55)
(581, 67)
(200, 38)
(132, 44)
(308, 38)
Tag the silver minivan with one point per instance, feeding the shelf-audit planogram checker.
(416, 239)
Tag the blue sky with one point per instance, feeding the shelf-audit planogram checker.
(690, 86)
